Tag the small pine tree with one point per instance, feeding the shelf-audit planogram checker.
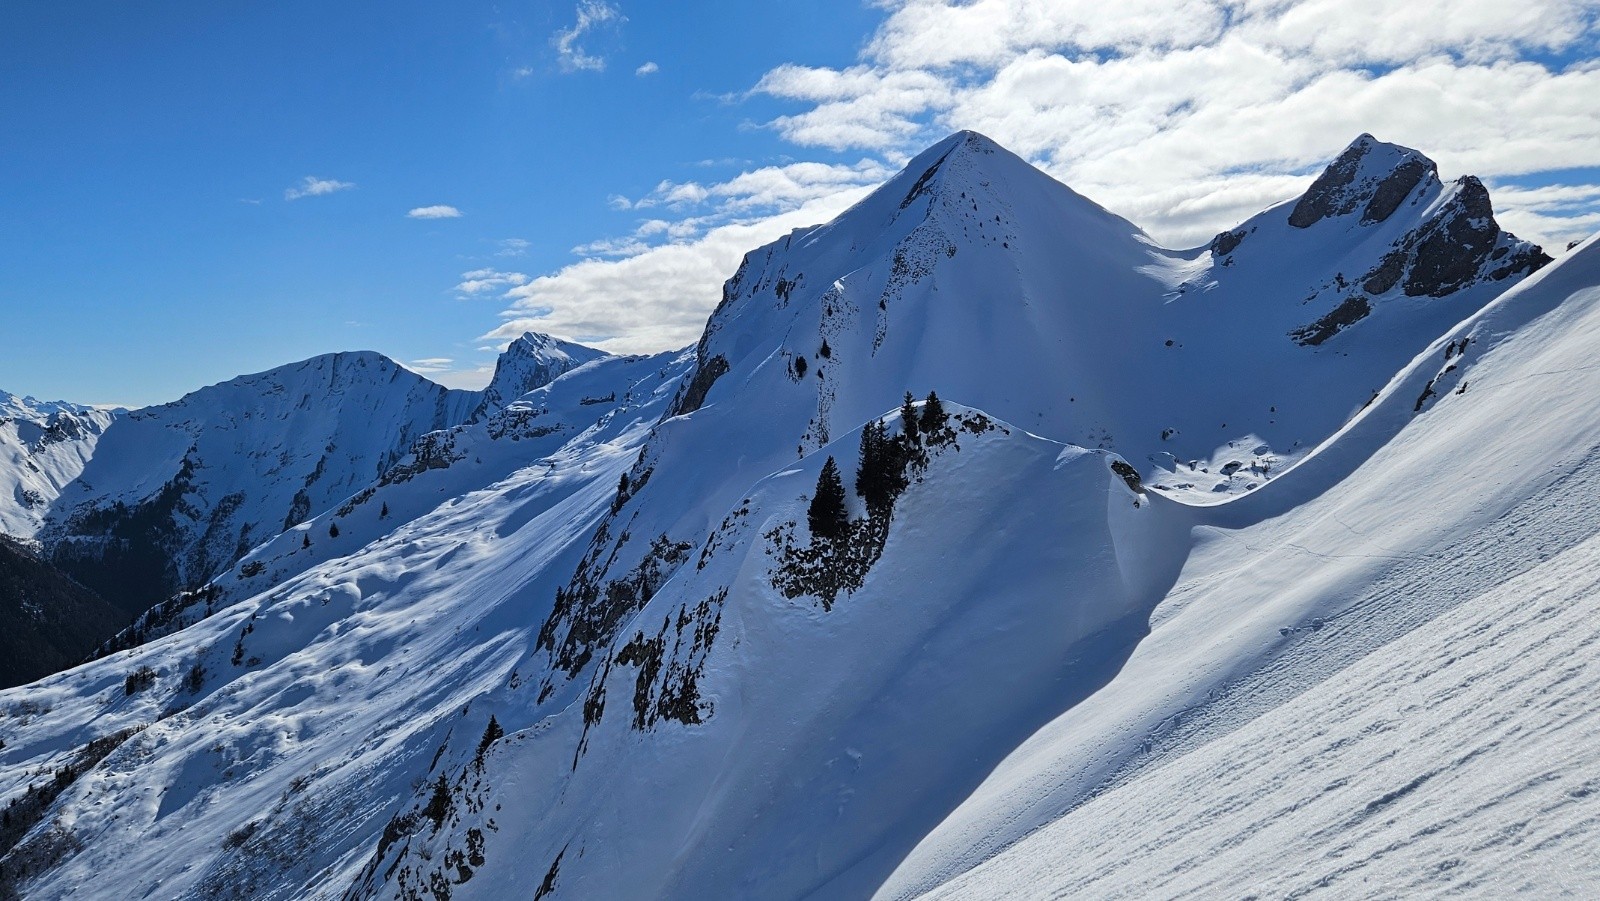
(827, 515)
(908, 420)
(879, 477)
(384, 513)
(333, 530)
(933, 415)
(196, 679)
(491, 735)
(439, 803)
(305, 540)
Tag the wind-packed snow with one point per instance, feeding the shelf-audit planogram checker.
(1325, 628)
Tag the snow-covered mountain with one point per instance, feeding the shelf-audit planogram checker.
(532, 361)
(44, 445)
(175, 493)
(749, 622)
(165, 498)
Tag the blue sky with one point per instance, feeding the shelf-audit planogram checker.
(190, 191)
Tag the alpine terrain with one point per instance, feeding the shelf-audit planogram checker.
(981, 547)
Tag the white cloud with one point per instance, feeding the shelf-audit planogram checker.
(481, 282)
(439, 211)
(657, 297)
(430, 365)
(592, 15)
(1186, 116)
(649, 68)
(311, 186)
(512, 247)
(1561, 214)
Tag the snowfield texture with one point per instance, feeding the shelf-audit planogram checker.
(1260, 568)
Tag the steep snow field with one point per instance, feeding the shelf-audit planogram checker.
(1465, 514)
(1456, 760)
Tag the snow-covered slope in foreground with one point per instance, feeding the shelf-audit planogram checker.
(1384, 687)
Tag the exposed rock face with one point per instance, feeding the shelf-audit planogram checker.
(1451, 241)
(1351, 311)
(1369, 175)
(1459, 245)
(1396, 187)
(1227, 242)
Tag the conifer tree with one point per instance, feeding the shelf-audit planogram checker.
(333, 530)
(384, 513)
(908, 421)
(933, 415)
(827, 515)
(305, 540)
(878, 474)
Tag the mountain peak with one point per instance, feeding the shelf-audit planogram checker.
(532, 361)
(1371, 175)
(958, 163)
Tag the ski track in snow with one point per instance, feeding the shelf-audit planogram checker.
(1415, 771)
(1413, 591)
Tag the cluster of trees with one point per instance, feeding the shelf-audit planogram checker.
(883, 470)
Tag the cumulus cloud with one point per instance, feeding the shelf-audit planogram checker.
(649, 68)
(655, 298)
(439, 211)
(312, 186)
(592, 16)
(512, 247)
(1186, 116)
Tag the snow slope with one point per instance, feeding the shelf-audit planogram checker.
(175, 494)
(603, 636)
(975, 275)
(782, 748)
(1410, 571)
(274, 737)
(440, 467)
